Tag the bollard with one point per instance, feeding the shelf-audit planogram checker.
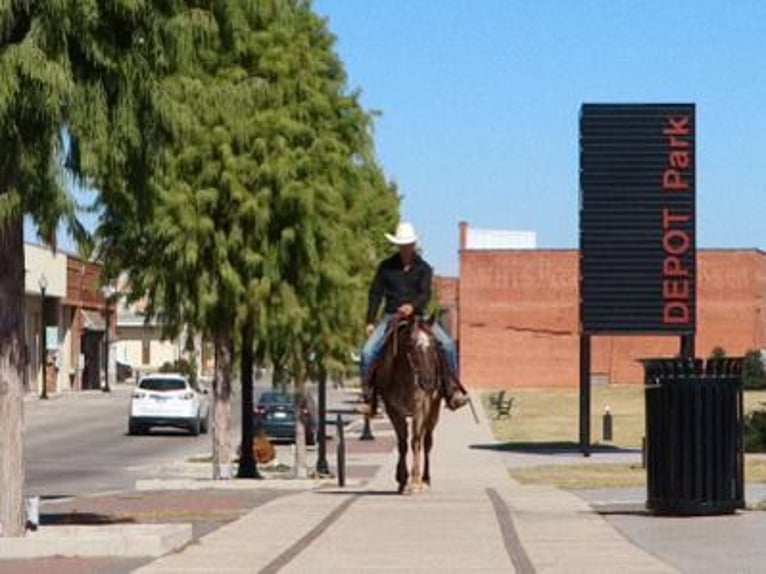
(32, 511)
(643, 452)
(367, 430)
(606, 430)
(340, 451)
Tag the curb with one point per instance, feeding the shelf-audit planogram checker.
(89, 541)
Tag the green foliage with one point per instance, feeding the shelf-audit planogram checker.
(181, 366)
(753, 371)
(236, 170)
(718, 353)
(253, 193)
(755, 431)
(35, 81)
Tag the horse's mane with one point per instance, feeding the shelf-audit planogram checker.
(410, 355)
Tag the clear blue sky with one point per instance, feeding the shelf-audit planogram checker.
(480, 102)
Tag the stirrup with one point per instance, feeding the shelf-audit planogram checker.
(457, 400)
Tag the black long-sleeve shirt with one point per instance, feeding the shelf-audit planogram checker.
(398, 286)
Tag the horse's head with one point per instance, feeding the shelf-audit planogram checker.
(411, 338)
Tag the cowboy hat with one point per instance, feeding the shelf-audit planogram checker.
(405, 234)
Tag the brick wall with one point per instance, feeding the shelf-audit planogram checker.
(518, 318)
(446, 293)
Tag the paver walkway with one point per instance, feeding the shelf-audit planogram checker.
(474, 519)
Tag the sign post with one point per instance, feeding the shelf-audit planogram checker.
(638, 272)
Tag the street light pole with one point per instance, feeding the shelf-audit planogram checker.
(108, 292)
(43, 283)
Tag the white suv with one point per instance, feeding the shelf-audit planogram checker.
(165, 399)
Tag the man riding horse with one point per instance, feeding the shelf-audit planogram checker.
(404, 281)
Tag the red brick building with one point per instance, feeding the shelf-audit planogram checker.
(85, 323)
(517, 321)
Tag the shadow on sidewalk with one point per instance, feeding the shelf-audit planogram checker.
(82, 519)
(347, 492)
(550, 447)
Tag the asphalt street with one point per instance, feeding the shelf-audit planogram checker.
(78, 444)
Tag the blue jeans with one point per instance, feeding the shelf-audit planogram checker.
(374, 346)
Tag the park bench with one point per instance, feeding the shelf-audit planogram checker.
(501, 405)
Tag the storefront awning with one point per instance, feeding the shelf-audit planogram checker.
(92, 320)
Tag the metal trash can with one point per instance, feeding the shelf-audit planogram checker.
(694, 436)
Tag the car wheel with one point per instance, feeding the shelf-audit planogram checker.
(134, 428)
(205, 424)
(195, 426)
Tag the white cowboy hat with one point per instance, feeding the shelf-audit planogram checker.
(405, 234)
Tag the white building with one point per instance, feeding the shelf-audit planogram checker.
(45, 271)
(489, 239)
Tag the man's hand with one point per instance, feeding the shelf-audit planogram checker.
(406, 310)
(370, 328)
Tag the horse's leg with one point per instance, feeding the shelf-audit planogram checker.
(418, 428)
(400, 426)
(428, 441)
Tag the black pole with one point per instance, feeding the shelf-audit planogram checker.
(247, 464)
(367, 429)
(687, 346)
(585, 394)
(43, 369)
(106, 389)
(322, 467)
(340, 450)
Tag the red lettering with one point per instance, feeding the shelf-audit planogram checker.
(680, 159)
(673, 181)
(676, 313)
(678, 127)
(668, 218)
(676, 242)
(675, 289)
(673, 267)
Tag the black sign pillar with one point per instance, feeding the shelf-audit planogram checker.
(585, 394)
(637, 228)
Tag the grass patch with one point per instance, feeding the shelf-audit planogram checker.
(583, 475)
(552, 415)
(580, 476)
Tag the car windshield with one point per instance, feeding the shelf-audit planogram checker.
(276, 399)
(163, 384)
(271, 398)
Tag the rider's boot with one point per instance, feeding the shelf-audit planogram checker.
(454, 394)
(368, 405)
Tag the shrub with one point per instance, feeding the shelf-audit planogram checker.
(755, 431)
(718, 353)
(753, 371)
(181, 366)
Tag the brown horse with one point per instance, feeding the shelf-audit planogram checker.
(408, 380)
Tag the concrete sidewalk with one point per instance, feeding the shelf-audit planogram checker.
(474, 519)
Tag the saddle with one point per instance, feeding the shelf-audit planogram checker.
(421, 326)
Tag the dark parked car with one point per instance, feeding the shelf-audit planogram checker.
(275, 416)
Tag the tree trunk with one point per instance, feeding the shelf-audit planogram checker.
(247, 466)
(12, 521)
(301, 469)
(224, 349)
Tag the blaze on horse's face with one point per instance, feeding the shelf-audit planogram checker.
(417, 344)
